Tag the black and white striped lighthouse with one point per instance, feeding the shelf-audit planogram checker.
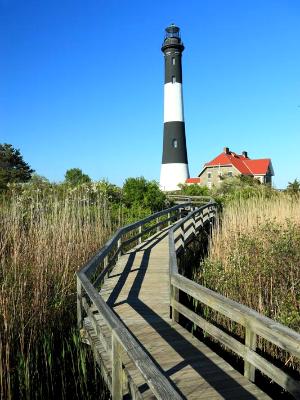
(174, 168)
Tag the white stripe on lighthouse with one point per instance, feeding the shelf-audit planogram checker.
(173, 174)
(173, 102)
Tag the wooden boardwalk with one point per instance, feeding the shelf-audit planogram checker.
(143, 352)
(138, 291)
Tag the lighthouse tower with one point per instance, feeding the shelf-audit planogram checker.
(174, 168)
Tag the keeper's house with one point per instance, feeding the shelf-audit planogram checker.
(229, 164)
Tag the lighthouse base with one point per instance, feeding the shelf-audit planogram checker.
(173, 174)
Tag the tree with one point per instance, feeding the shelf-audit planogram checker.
(75, 176)
(194, 190)
(13, 169)
(112, 192)
(293, 187)
(139, 191)
(39, 179)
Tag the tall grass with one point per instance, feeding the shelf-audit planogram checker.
(45, 236)
(254, 258)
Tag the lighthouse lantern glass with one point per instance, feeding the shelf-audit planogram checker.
(172, 32)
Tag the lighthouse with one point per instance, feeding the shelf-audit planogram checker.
(174, 167)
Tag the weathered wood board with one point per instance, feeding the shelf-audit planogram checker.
(138, 292)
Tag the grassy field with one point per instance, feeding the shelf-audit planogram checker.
(254, 258)
(45, 236)
(47, 232)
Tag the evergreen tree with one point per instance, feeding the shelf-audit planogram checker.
(293, 187)
(13, 169)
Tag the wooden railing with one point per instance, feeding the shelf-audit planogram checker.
(90, 279)
(92, 275)
(254, 323)
(180, 198)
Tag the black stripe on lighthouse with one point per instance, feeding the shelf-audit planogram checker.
(174, 168)
(174, 147)
(173, 67)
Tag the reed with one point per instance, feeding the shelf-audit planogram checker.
(45, 236)
(254, 258)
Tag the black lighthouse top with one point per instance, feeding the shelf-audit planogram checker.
(172, 39)
(172, 48)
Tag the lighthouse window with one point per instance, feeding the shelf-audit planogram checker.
(175, 143)
(173, 79)
(173, 60)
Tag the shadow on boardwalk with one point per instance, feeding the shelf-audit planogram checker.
(216, 378)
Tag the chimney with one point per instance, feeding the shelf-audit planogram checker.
(226, 150)
(245, 154)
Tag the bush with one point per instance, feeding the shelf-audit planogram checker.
(242, 187)
(138, 192)
(194, 190)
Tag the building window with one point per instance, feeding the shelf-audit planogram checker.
(173, 79)
(209, 184)
(209, 175)
(229, 173)
(173, 60)
(175, 143)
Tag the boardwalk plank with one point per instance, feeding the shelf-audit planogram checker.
(138, 291)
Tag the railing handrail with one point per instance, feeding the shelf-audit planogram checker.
(243, 315)
(157, 381)
(91, 265)
(195, 199)
(254, 323)
(172, 251)
(172, 196)
(239, 311)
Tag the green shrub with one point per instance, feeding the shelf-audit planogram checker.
(138, 192)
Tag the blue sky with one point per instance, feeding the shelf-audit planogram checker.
(81, 83)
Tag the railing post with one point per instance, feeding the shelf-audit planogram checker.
(169, 218)
(117, 370)
(179, 214)
(194, 224)
(174, 296)
(140, 232)
(79, 304)
(119, 247)
(158, 227)
(105, 264)
(250, 342)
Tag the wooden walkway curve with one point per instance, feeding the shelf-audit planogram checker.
(135, 293)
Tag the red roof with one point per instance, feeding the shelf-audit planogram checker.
(242, 163)
(193, 180)
(258, 167)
